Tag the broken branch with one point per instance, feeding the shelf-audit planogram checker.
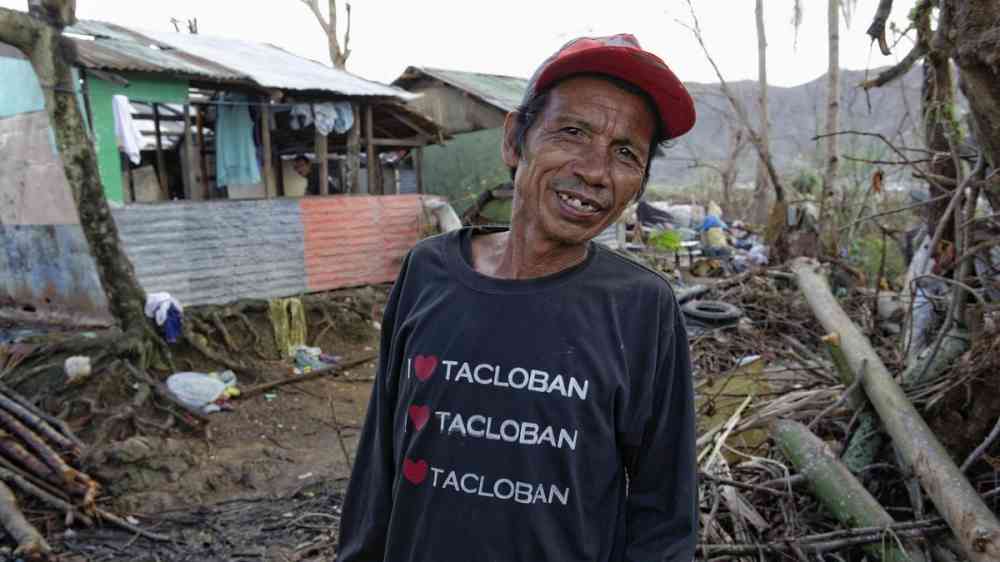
(969, 518)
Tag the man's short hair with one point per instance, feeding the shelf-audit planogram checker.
(528, 112)
(301, 158)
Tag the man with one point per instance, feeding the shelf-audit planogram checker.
(533, 400)
(304, 168)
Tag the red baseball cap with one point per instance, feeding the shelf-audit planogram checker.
(622, 57)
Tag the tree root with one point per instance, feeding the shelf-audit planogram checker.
(200, 342)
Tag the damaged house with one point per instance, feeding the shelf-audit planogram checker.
(210, 152)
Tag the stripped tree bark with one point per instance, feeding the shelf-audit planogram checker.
(836, 487)
(970, 519)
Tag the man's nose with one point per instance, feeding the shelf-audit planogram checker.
(593, 167)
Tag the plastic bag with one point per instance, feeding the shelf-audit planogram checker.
(200, 391)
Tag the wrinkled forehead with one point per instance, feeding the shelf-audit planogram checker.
(603, 103)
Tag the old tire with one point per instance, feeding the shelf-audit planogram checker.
(711, 311)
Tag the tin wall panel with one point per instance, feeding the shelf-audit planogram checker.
(352, 241)
(216, 252)
(46, 270)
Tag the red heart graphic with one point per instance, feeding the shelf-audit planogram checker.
(419, 416)
(415, 471)
(424, 365)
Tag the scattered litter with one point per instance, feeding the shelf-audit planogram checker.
(202, 391)
(307, 359)
(168, 314)
(306, 475)
(77, 368)
(270, 396)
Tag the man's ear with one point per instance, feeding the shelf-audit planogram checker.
(509, 147)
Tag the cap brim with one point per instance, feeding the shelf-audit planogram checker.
(645, 71)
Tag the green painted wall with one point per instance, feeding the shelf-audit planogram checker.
(465, 166)
(141, 87)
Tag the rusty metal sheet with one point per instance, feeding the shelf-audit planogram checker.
(351, 241)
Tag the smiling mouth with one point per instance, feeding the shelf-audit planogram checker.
(581, 205)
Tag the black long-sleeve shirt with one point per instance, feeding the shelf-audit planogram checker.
(537, 420)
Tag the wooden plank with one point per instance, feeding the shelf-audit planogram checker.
(353, 160)
(161, 162)
(408, 122)
(373, 162)
(398, 142)
(189, 172)
(206, 192)
(324, 163)
(265, 149)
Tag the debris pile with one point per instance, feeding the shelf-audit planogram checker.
(809, 447)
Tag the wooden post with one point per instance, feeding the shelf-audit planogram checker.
(161, 164)
(418, 157)
(324, 163)
(189, 173)
(354, 152)
(206, 192)
(373, 162)
(265, 149)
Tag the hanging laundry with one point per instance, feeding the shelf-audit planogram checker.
(337, 117)
(301, 116)
(236, 155)
(126, 131)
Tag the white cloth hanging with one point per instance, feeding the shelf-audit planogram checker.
(126, 131)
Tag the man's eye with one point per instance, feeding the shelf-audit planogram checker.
(572, 131)
(627, 153)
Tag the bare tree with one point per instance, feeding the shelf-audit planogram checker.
(338, 55)
(762, 188)
(832, 159)
(776, 220)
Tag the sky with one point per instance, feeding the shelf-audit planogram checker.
(513, 36)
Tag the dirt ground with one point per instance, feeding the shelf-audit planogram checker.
(266, 482)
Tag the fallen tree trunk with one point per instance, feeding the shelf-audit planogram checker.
(835, 486)
(970, 519)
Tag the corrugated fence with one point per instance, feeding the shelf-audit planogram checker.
(218, 252)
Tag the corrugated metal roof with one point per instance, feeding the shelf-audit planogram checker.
(114, 54)
(503, 92)
(116, 47)
(272, 67)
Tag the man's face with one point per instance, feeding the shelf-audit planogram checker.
(583, 160)
(301, 167)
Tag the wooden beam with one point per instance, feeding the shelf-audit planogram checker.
(373, 161)
(418, 157)
(409, 122)
(161, 163)
(206, 192)
(265, 149)
(399, 142)
(189, 172)
(353, 161)
(324, 163)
